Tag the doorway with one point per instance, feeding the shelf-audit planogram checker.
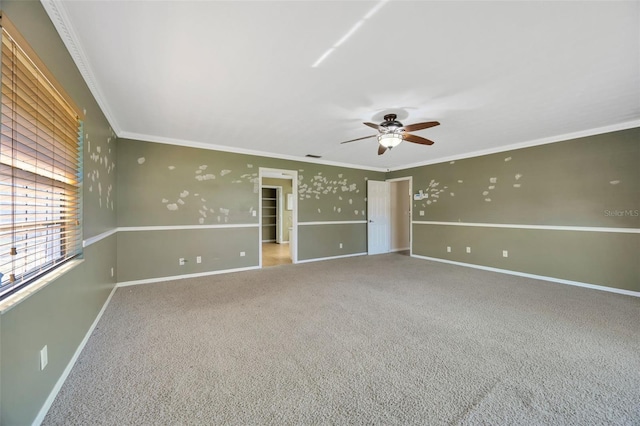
(389, 216)
(278, 217)
(400, 215)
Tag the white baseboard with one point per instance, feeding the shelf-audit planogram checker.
(399, 249)
(317, 259)
(180, 277)
(54, 392)
(537, 277)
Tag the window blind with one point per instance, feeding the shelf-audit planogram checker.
(40, 155)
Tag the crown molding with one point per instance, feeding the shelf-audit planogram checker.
(558, 138)
(213, 147)
(58, 15)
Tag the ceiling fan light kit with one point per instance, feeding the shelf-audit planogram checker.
(390, 140)
(391, 132)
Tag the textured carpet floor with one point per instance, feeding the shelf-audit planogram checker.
(369, 340)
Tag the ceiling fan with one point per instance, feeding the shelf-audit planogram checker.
(391, 132)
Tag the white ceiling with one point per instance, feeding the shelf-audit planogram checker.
(239, 75)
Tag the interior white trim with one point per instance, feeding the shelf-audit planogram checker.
(544, 227)
(558, 138)
(317, 259)
(213, 147)
(333, 222)
(60, 20)
(99, 237)
(537, 277)
(180, 277)
(63, 377)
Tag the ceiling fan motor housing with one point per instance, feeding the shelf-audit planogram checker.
(390, 123)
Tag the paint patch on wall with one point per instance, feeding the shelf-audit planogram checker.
(141, 160)
(172, 207)
(100, 161)
(208, 176)
(614, 182)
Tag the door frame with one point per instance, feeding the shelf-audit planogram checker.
(293, 237)
(410, 195)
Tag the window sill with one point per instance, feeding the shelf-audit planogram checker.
(24, 293)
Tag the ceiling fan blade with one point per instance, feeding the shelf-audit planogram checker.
(374, 126)
(420, 126)
(381, 149)
(359, 139)
(416, 139)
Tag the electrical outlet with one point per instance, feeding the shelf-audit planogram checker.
(468, 249)
(242, 254)
(181, 261)
(44, 357)
(421, 212)
(198, 259)
(505, 253)
(253, 213)
(448, 249)
(340, 245)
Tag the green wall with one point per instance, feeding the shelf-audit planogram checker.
(60, 314)
(591, 182)
(178, 188)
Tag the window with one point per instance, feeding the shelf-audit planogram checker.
(40, 173)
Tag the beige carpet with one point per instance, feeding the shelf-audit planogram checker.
(369, 340)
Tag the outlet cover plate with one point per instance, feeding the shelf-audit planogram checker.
(44, 357)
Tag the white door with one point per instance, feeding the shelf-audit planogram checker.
(378, 212)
